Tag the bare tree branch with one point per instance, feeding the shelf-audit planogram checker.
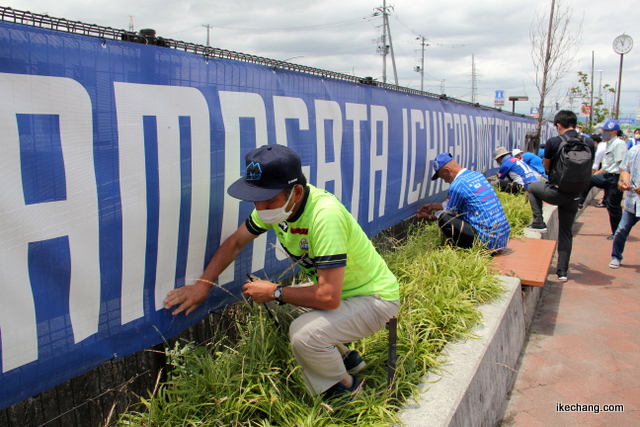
(555, 43)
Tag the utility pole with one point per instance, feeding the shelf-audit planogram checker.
(600, 86)
(591, 102)
(474, 88)
(208, 27)
(420, 69)
(384, 49)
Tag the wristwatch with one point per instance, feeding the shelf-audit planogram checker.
(277, 294)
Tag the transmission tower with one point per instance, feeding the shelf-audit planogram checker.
(474, 87)
(131, 28)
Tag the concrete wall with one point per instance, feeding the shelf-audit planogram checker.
(473, 383)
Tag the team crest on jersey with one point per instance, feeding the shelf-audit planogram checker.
(304, 244)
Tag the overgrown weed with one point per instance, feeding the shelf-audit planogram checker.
(257, 382)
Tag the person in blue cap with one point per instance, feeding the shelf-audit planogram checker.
(609, 174)
(354, 294)
(472, 210)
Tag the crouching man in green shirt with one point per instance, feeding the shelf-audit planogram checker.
(354, 293)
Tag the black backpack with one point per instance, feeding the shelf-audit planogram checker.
(572, 169)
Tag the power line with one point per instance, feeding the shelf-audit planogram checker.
(352, 21)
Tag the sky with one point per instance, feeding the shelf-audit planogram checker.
(491, 36)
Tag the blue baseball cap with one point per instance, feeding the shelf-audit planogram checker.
(610, 125)
(441, 160)
(270, 169)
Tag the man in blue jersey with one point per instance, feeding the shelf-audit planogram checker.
(472, 209)
(353, 294)
(533, 161)
(514, 174)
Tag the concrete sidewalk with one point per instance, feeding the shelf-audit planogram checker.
(584, 345)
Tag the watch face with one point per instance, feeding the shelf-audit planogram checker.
(622, 44)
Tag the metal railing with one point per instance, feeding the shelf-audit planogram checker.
(108, 33)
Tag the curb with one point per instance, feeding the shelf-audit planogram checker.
(472, 385)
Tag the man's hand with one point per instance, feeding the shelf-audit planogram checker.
(189, 297)
(425, 212)
(624, 186)
(260, 291)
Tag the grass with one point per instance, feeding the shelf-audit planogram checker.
(518, 211)
(256, 382)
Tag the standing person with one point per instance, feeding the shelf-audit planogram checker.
(565, 122)
(514, 174)
(607, 177)
(354, 293)
(635, 139)
(630, 182)
(601, 147)
(472, 209)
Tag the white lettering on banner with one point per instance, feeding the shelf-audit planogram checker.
(236, 105)
(443, 146)
(75, 217)
(417, 121)
(449, 145)
(329, 171)
(405, 157)
(284, 108)
(358, 114)
(429, 155)
(167, 104)
(378, 162)
(288, 108)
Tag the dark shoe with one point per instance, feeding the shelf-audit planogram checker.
(338, 391)
(600, 205)
(580, 206)
(353, 362)
(610, 237)
(538, 226)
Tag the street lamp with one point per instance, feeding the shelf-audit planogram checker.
(513, 99)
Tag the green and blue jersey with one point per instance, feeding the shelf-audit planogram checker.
(323, 234)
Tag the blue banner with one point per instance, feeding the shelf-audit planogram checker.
(115, 158)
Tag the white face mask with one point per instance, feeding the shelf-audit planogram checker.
(637, 136)
(276, 216)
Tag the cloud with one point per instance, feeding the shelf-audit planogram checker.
(340, 35)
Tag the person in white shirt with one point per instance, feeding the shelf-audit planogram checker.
(607, 177)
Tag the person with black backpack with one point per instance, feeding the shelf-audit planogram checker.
(568, 157)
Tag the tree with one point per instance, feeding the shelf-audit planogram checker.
(554, 47)
(583, 92)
